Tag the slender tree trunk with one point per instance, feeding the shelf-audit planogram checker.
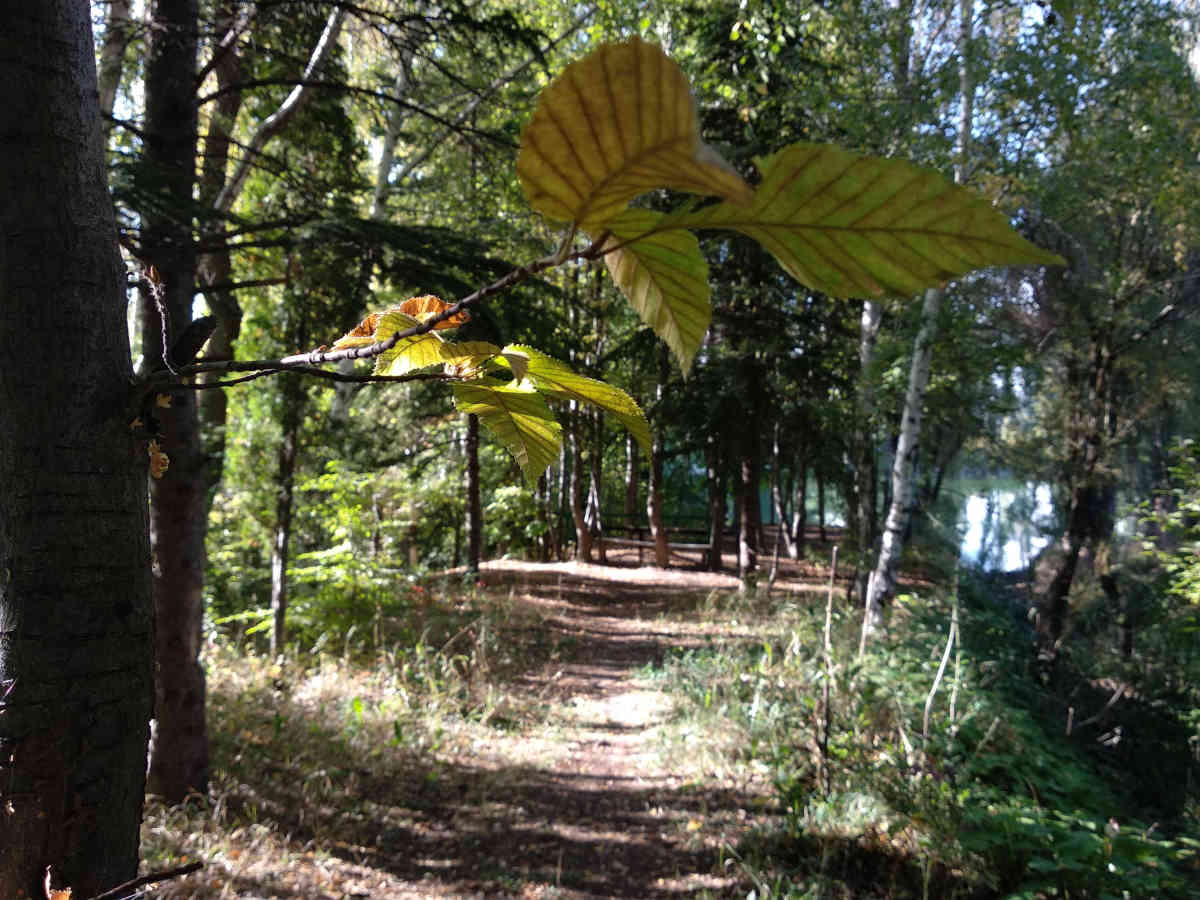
(118, 29)
(593, 516)
(217, 268)
(781, 512)
(583, 534)
(716, 505)
(631, 478)
(474, 507)
(866, 516)
(882, 585)
(285, 483)
(546, 546)
(654, 497)
(75, 597)
(883, 579)
(654, 505)
(800, 508)
(178, 502)
(821, 505)
(750, 383)
(749, 517)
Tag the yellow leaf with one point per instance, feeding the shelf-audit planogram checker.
(859, 226)
(466, 359)
(665, 278)
(519, 418)
(613, 125)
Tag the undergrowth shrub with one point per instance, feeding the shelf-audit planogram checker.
(991, 799)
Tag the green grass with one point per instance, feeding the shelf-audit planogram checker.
(994, 800)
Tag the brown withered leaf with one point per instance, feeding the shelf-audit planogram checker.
(158, 460)
(428, 305)
(418, 308)
(362, 335)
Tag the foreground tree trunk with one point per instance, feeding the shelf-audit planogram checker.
(75, 613)
(178, 501)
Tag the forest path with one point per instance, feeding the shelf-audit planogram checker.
(594, 807)
(564, 775)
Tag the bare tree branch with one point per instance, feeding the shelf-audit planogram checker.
(275, 122)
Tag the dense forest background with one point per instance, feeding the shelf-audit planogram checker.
(281, 169)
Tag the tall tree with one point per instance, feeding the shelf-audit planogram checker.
(178, 509)
(882, 583)
(1118, 117)
(75, 601)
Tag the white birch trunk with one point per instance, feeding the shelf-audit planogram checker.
(882, 584)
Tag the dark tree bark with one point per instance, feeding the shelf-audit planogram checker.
(821, 505)
(75, 607)
(178, 501)
(474, 507)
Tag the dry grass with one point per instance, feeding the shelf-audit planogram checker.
(512, 752)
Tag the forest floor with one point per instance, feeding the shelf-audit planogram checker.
(569, 780)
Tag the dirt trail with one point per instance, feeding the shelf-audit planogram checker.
(597, 810)
(574, 785)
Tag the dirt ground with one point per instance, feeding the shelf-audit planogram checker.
(591, 802)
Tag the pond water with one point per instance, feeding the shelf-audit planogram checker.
(1005, 524)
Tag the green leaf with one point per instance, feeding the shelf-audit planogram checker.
(551, 377)
(860, 226)
(411, 353)
(665, 278)
(613, 125)
(466, 358)
(519, 418)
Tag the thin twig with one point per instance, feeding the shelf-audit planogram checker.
(1120, 692)
(308, 363)
(269, 369)
(937, 679)
(826, 774)
(862, 640)
(149, 878)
